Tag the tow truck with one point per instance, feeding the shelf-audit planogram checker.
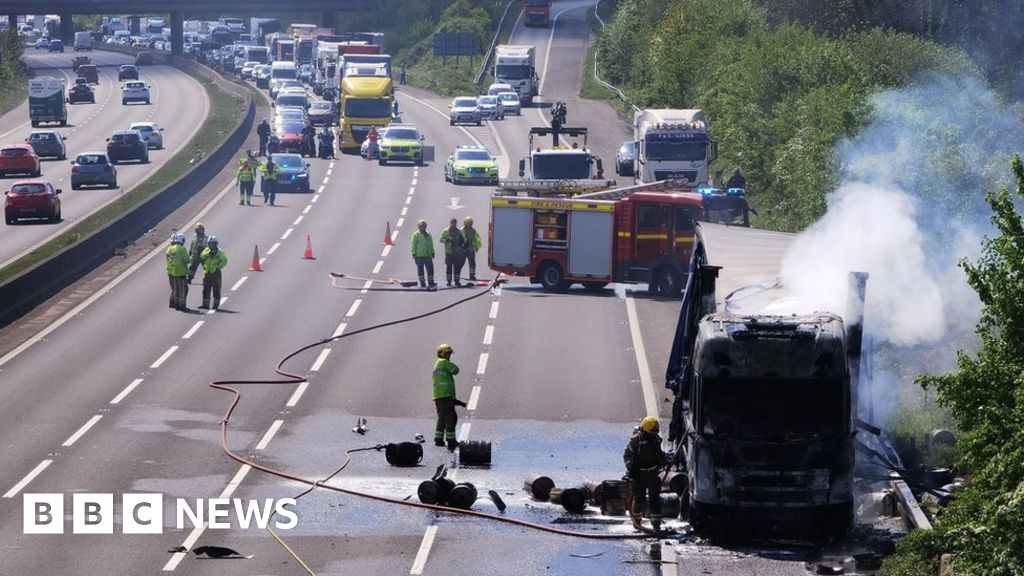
(629, 235)
(560, 169)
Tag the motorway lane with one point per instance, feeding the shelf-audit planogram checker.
(179, 104)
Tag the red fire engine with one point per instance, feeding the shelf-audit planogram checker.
(537, 13)
(626, 235)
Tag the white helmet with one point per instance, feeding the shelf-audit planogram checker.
(213, 240)
(178, 239)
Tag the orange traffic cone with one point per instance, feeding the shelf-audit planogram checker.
(255, 267)
(387, 235)
(309, 250)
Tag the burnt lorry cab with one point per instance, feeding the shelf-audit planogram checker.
(767, 434)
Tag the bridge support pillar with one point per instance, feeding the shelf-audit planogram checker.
(67, 28)
(329, 19)
(177, 33)
(134, 25)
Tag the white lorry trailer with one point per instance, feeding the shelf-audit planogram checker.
(47, 101)
(515, 65)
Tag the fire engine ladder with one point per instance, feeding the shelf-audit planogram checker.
(667, 186)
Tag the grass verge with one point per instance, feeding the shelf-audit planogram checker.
(224, 114)
(13, 94)
(590, 89)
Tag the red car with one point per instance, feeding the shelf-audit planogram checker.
(32, 199)
(19, 159)
(287, 137)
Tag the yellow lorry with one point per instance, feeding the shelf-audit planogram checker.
(364, 102)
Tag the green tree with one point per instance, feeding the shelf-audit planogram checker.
(985, 396)
(11, 47)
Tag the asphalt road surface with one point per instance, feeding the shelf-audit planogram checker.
(116, 399)
(179, 105)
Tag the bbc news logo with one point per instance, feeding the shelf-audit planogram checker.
(143, 513)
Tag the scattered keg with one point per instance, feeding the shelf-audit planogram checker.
(539, 486)
(435, 491)
(574, 500)
(669, 505)
(675, 482)
(613, 497)
(475, 453)
(462, 496)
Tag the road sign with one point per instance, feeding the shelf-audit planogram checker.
(456, 44)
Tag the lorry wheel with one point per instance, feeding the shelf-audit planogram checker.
(551, 277)
(666, 282)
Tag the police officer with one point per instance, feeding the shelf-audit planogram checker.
(308, 140)
(454, 252)
(246, 178)
(263, 131)
(444, 398)
(214, 260)
(644, 460)
(268, 183)
(737, 180)
(472, 244)
(195, 248)
(177, 272)
(423, 254)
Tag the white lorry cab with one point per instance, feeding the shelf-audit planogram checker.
(673, 145)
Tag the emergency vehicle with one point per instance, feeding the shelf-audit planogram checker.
(629, 235)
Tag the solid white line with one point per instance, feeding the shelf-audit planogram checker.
(297, 220)
(320, 360)
(297, 394)
(272, 250)
(28, 478)
(164, 358)
(494, 310)
(384, 253)
(547, 53)
(488, 334)
(307, 209)
(474, 397)
(81, 431)
(481, 365)
(405, 210)
(338, 331)
(353, 308)
(287, 233)
(424, 551)
(669, 560)
(192, 330)
(464, 432)
(443, 115)
(377, 266)
(269, 434)
(650, 399)
(400, 222)
(127, 390)
(239, 283)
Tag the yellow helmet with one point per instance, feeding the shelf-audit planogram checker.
(444, 351)
(468, 221)
(199, 226)
(650, 424)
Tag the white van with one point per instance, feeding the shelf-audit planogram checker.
(83, 41)
(498, 88)
(283, 70)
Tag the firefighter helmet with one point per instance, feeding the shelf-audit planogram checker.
(213, 241)
(444, 351)
(200, 227)
(421, 223)
(650, 424)
(468, 221)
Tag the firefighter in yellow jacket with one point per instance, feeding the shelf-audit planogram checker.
(177, 272)
(444, 398)
(214, 260)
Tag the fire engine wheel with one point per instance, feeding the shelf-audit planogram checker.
(666, 282)
(551, 277)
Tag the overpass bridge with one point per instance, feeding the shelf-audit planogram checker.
(179, 9)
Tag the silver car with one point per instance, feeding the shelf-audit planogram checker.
(491, 108)
(464, 110)
(510, 100)
(48, 143)
(151, 133)
(93, 168)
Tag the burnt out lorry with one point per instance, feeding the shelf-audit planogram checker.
(762, 419)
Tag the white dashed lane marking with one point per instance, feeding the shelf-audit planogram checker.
(294, 400)
(128, 390)
(239, 283)
(494, 310)
(162, 359)
(192, 330)
(269, 434)
(28, 478)
(320, 360)
(81, 431)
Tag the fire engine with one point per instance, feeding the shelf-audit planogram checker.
(629, 235)
(537, 13)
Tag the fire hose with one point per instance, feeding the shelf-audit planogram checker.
(293, 378)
